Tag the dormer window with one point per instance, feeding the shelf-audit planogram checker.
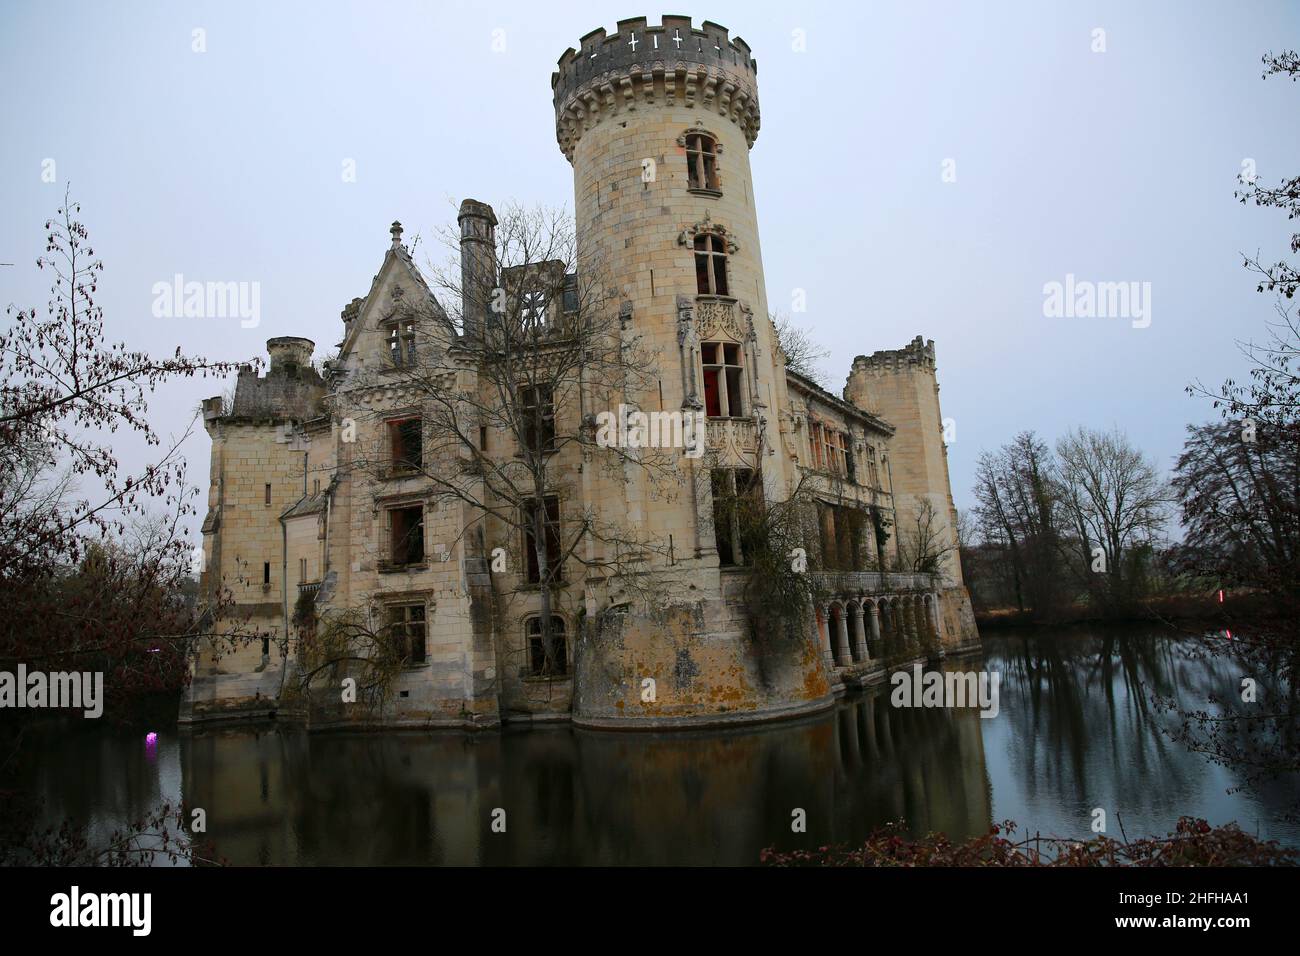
(702, 162)
(532, 310)
(401, 342)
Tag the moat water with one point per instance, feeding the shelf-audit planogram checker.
(1076, 730)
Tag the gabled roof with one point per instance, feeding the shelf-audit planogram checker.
(397, 257)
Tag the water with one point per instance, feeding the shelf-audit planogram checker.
(1075, 732)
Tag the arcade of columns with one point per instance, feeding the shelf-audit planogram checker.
(862, 629)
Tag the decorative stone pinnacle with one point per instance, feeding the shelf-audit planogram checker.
(396, 232)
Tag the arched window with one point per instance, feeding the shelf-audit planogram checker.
(711, 264)
(702, 162)
(537, 663)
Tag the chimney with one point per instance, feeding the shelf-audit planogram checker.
(477, 264)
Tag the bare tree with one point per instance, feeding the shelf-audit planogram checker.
(923, 542)
(1114, 499)
(93, 579)
(1017, 491)
(803, 355)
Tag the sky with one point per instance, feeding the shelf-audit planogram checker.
(922, 168)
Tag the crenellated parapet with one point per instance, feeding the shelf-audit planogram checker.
(641, 67)
(916, 354)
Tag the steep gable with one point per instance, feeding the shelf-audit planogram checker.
(398, 290)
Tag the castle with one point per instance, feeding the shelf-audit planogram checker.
(330, 498)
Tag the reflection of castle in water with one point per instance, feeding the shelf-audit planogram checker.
(584, 797)
(1075, 730)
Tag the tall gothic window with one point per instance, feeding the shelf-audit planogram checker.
(537, 414)
(723, 380)
(551, 523)
(711, 264)
(702, 161)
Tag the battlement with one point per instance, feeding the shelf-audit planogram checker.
(918, 353)
(641, 66)
(290, 390)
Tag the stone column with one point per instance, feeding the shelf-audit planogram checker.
(935, 620)
(875, 627)
(823, 625)
(859, 635)
(842, 638)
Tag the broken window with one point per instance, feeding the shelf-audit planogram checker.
(537, 411)
(723, 380)
(538, 666)
(406, 535)
(737, 496)
(532, 310)
(406, 629)
(401, 342)
(551, 523)
(711, 264)
(702, 161)
(832, 451)
(406, 445)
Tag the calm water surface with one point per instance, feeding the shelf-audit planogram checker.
(1075, 731)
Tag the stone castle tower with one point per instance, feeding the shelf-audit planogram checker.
(900, 385)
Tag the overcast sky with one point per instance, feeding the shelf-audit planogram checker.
(227, 165)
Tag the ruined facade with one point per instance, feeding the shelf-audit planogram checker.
(657, 122)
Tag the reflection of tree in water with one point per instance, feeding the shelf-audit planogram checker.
(1256, 740)
(1081, 706)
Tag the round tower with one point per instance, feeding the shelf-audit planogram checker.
(658, 122)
